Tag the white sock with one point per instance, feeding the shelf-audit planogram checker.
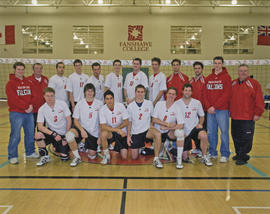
(76, 153)
(155, 158)
(179, 152)
(106, 152)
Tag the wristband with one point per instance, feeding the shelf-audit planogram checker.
(54, 134)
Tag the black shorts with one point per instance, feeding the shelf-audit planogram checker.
(164, 137)
(138, 140)
(120, 142)
(58, 146)
(90, 141)
(193, 135)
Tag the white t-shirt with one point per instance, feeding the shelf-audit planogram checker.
(268, 86)
(55, 117)
(140, 117)
(190, 113)
(59, 84)
(113, 118)
(114, 83)
(157, 83)
(171, 115)
(88, 116)
(99, 86)
(132, 81)
(75, 84)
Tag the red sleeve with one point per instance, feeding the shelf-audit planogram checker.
(224, 99)
(259, 102)
(11, 97)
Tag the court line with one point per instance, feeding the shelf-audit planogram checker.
(3, 164)
(5, 123)
(9, 207)
(257, 171)
(260, 156)
(2, 156)
(123, 200)
(262, 126)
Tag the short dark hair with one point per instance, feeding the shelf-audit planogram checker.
(16, 64)
(117, 60)
(156, 59)
(198, 63)
(187, 85)
(48, 90)
(137, 59)
(243, 65)
(77, 61)
(89, 86)
(95, 64)
(172, 88)
(219, 58)
(176, 60)
(108, 92)
(59, 63)
(37, 63)
(140, 86)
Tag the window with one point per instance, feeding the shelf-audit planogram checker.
(186, 39)
(37, 39)
(238, 40)
(88, 39)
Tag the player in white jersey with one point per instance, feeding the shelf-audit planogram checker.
(86, 122)
(97, 80)
(113, 118)
(114, 81)
(168, 119)
(75, 84)
(59, 83)
(140, 127)
(157, 82)
(56, 114)
(133, 79)
(194, 116)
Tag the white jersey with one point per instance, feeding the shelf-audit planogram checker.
(114, 83)
(157, 83)
(132, 81)
(190, 113)
(59, 84)
(113, 118)
(88, 116)
(99, 86)
(55, 117)
(170, 115)
(75, 84)
(140, 117)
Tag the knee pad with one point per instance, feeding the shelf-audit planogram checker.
(70, 136)
(179, 134)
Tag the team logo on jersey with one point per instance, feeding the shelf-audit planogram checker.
(214, 86)
(23, 92)
(135, 32)
(118, 113)
(172, 114)
(60, 111)
(146, 110)
(131, 83)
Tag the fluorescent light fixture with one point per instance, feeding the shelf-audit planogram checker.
(86, 46)
(234, 2)
(168, 2)
(100, 1)
(47, 43)
(34, 2)
(75, 36)
(193, 37)
(81, 42)
(35, 38)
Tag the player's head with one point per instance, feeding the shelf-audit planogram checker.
(19, 69)
(140, 92)
(49, 95)
(155, 63)
(96, 68)
(78, 65)
(198, 68)
(176, 63)
(60, 68)
(37, 69)
(187, 90)
(243, 72)
(218, 63)
(117, 65)
(137, 62)
(109, 98)
(171, 93)
(89, 90)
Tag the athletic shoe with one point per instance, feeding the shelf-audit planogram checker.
(187, 160)
(206, 161)
(179, 164)
(223, 159)
(98, 149)
(157, 163)
(212, 156)
(13, 160)
(111, 147)
(235, 157)
(75, 162)
(43, 160)
(240, 162)
(81, 147)
(106, 159)
(33, 155)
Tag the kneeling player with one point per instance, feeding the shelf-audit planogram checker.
(168, 119)
(56, 114)
(86, 122)
(139, 127)
(192, 109)
(113, 122)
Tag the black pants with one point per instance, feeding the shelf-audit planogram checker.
(242, 133)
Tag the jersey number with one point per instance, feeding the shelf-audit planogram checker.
(187, 114)
(55, 118)
(81, 84)
(165, 118)
(113, 120)
(90, 115)
(140, 116)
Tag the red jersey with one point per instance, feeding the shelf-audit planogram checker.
(218, 90)
(246, 99)
(37, 90)
(198, 90)
(19, 94)
(177, 80)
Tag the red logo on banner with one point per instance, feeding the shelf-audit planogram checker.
(135, 33)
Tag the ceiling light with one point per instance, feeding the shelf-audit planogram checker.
(100, 1)
(168, 2)
(234, 2)
(81, 42)
(75, 36)
(193, 37)
(35, 38)
(34, 2)
(86, 46)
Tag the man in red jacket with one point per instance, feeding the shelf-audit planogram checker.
(246, 107)
(39, 83)
(217, 98)
(19, 97)
(177, 79)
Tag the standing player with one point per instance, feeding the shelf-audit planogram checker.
(133, 79)
(246, 107)
(59, 83)
(194, 116)
(113, 122)
(86, 122)
(75, 84)
(157, 82)
(114, 81)
(97, 80)
(177, 79)
(168, 119)
(217, 98)
(56, 114)
(140, 127)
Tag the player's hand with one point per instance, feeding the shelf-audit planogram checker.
(129, 140)
(64, 141)
(84, 134)
(163, 127)
(171, 125)
(30, 109)
(121, 132)
(256, 118)
(58, 138)
(211, 110)
(199, 126)
(98, 141)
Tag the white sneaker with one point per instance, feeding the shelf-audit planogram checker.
(13, 160)
(212, 156)
(111, 147)
(157, 163)
(75, 162)
(98, 149)
(81, 147)
(33, 155)
(43, 160)
(106, 159)
(206, 161)
(223, 159)
(179, 164)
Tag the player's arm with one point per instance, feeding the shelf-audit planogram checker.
(129, 133)
(71, 99)
(158, 97)
(78, 125)
(160, 122)
(68, 118)
(200, 124)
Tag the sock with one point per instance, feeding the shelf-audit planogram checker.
(76, 153)
(106, 152)
(179, 152)
(155, 158)
(43, 151)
